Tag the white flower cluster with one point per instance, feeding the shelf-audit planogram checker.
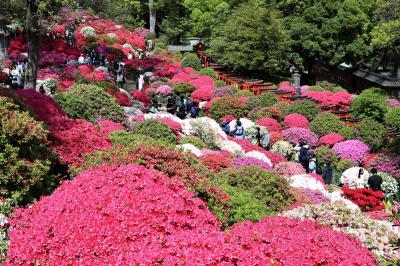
(230, 146)
(260, 156)
(389, 185)
(185, 124)
(282, 147)
(88, 32)
(190, 148)
(351, 178)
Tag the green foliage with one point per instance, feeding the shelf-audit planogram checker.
(26, 163)
(156, 130)
(326, 123)
(326, 155)
(343, 165)
(219, 83)
(208, 72)
(191, 60)
(372, 133)
(131, 139)
(196, 141)
(264, 100)
(392, 118)
(304, 107)
(315, 88)
(246, 44)
(106, 85)
(183, 88)
(255, 193)
(229, 106)
(89, 102)
(243, 93)
(370, 103)
(395, 145)
(348, 132)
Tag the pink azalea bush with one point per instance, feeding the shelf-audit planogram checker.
(331, 139)
(296, 135)
(326, 98)
(295, 120)
(247, 161)
(270, 123)
(228, 118)
(109, 126)
(385, 163)
(393, 102)
(174, 126)
(289, 169)
(164, 90)
(354, 150)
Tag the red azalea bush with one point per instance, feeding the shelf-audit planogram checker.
(109, 126)
(366, 199)
(141, 96)
(295, 120)
(275, 136)
(174, 126)
(326, 98)
(121, 98)
(216, 162)
(202, 94)
(270, 123)
(331, 139)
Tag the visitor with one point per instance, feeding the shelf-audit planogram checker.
(194, 111)
(265, 139)
(42, 90)
(81, 59)
(189, 104)
(129, 56)
(120, 76)
(181, 108)
(239, 131)
(304, 156)
(296, 152)
(360, 179)
(88, 60)
(154, 101)
(225, 127)
(375, 181)
(312, 165)
(14, 77)
(327, 174)
(140, 82)
(171, 105)
(257, 137)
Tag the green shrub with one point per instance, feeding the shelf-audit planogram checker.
(196, 141)
(304, 107)
(268, 99)
(343, 165)
(315, 88)
(208, 72)
(326, 85)
(326, 123)
(395, 145)
(156, 130)
(191, 60)
(392, 118)
(258, 113)
(27, 166)
(370, 103)
(326, 155)
(243, 93)
(106, 85)
(131, 139)
(348, 132)
(220, 83)
(183, 88)
(89, 102)
(255, 193)
(229, 106)
(372, 133)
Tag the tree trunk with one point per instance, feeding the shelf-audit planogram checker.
(32, 36)
(397, 67)
(152, 16)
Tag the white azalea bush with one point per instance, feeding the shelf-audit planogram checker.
(88, 32)
(282, 147)
(248, 125)
(190, 148)
(389, 185)
(230, 146)
(350, 178)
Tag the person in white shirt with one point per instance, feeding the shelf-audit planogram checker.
(81, 59)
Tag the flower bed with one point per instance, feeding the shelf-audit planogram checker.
(366, 199)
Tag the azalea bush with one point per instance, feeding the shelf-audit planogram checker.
(183, 88)
(228, 106)
(326, 155)
(270, 123)
(216, 162)
(207, 71)
(191, 60)
(142, 97)
(296, 135)
(295, 120)
(331, 139)
(345, 164)
(386, 163)
(348, 133)
(283, 147)
(89, 102)
(131, 139)
(354, 150)
(156, 130)
(389, 185)
(196, 141)
(326, 123)
(254, 192)
(304, 107)
(372, 133)
(366, 199)
(288, 169)
(392, 118)
(249, 161)
(121, 98)
(370, 103)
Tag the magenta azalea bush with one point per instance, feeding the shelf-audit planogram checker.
(393, 102)
(295, 120)
(270, 123)
(164, 90)
(289, 169)
(354, 150)
(296, 135)
(247, 161)
(386, 163)
(331, 139)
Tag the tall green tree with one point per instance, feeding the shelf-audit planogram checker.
(252, 40)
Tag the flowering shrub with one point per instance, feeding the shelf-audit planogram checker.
(156, 130)
(228, 106)
(183, 88)
(366, 199)
(372, 133)
(306, 108)
(142, 96)
(164, 90)
(326, 155)
(216, 162)
(269, 123)
(386, 163)
(295, 120)
(314, 196)
(247, 161)
(121, 98)
(202, 94)
(327, 98)
(174, 126)
(331, 139)
(380, 237)
(223, 91)
(389, 185)
(109, 126)
(276, 136)
(348, 133)
(288, 169)
(326, 123)
(393, 102)
(354, 150)
(283, 147)
(196, 141)
(296, 135)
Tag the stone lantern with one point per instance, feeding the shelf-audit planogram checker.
(296, 78)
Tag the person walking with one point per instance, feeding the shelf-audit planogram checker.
(375, 181)
(181, 108)
(194, 111)
(304, 156)
(239, 131)
(312, 165)
(266, 139)
(327, 174)
(257, 137)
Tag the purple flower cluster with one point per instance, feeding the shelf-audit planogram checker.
(393, 102)
(297, 134)
(248, 161)
(354, 150)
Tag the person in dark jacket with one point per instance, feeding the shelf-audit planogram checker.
(304, 156)
(327, 174)
(375, 181)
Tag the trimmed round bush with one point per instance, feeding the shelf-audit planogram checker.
(191, 60)
(345, 164)
(156, 130)
(295, 120)
(326, 155)
(326, 123)
(355, 150)
(183, 88)
(208, 72)
(297, 134)
(267, 99)
(229, 106)
(259, 113)
(370, 103)
(89, 102)
(304, 107)
(372, 133)
(254, 192)
(270, 123)
(348, 132)
(392, 118)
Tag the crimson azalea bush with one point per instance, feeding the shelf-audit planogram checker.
(366, 199)
(121, 98)
(142, 97)
(216, 162)
(174, 126)
(202, 94)
(331, 139)
(270, 123)
(295, 120)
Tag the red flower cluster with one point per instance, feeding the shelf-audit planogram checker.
(142, 97)
(216, 162)
(174, 126)
(327, 98)
(3, 77)
(270, 123)
(121, 98)
(295, 120)
(203, 94)
(366, 199)
(331, 139)
(108, 126)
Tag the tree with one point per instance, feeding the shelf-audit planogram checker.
(152, 16)
(260, 44)
(32, 37)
